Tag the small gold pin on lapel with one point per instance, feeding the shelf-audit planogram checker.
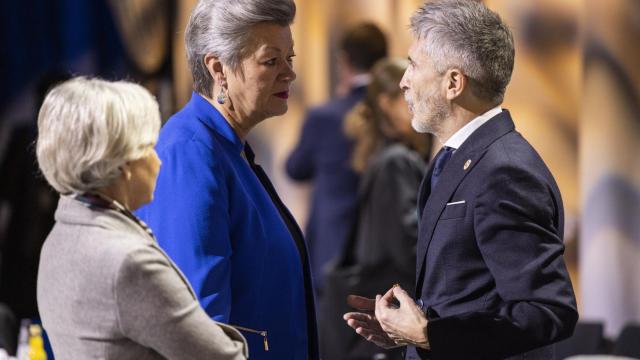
(467, 164)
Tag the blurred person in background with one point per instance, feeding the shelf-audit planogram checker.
(380, 252)
(31, 203)
(491, 282)
(323, 153)
(105, 288)
(215, 211)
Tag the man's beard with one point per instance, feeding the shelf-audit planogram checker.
(429, 114)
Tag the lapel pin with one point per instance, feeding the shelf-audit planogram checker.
(467, 164)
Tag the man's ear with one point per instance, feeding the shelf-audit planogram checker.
(456, 82)
(215, 68)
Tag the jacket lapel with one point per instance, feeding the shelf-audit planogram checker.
(454, 172)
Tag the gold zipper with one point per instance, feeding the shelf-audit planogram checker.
(259, 332)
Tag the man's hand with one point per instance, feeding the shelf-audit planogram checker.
(403, 324)
(365, 323)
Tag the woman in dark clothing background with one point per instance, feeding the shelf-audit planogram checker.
(381, 251)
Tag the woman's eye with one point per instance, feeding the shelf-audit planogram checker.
(271, 62)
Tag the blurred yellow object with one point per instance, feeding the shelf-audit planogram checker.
(36, 344)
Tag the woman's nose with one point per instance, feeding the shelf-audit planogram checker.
(289, 74)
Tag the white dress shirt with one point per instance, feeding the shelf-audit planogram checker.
(459, 137)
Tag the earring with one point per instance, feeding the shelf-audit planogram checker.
(222, 97)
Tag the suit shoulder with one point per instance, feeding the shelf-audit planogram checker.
(185, 132)
(514, 150)
(102, 248)
(114, 243)
(512, 156)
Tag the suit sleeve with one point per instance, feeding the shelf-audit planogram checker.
(516, 221)
(190, 217)
(157, 310)
(301, 163)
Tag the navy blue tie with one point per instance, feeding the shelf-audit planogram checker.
(439, 163)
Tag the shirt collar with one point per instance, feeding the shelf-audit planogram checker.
(459, 137)
(214, 120)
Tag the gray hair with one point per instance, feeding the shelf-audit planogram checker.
(468, 35)
(223, 28)
(88, 128)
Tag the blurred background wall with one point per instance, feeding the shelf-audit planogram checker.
(574, 94)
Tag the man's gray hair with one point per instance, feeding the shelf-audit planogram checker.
(88, 128)
(223, 28)
(468, 35)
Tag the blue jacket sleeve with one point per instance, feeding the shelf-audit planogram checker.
(190, 218)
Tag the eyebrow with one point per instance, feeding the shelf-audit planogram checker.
(269, 47)
(273, 48)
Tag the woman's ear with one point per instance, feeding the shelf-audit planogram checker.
(456, 83)
(126, 171)
(216, 69)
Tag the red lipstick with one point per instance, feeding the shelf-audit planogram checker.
(282, 94)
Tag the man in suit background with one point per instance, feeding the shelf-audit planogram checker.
(323, 153)
(491, 279)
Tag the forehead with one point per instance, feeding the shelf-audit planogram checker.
(416, 51)
(270, 37)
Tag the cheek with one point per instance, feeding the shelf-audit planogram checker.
(258, 82)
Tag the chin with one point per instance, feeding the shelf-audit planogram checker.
(277, 111)
(144, 202)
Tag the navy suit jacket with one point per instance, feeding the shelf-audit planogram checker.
(323, 155)
(490, 270)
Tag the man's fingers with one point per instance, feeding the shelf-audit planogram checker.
(358, 324)
(357, 316)
(401, 295)
(373, 336)
(361, 303)
(384, 301)
(377, 338)
(389, 294)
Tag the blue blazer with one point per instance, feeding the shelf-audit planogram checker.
(218, 217)
(323, 155)
(490, 273)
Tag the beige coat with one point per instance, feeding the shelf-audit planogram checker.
(107, 291)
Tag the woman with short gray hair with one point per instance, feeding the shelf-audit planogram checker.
(215, 212)
(105, 288)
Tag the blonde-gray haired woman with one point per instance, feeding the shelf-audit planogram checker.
(215, 211)
(105, 288)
